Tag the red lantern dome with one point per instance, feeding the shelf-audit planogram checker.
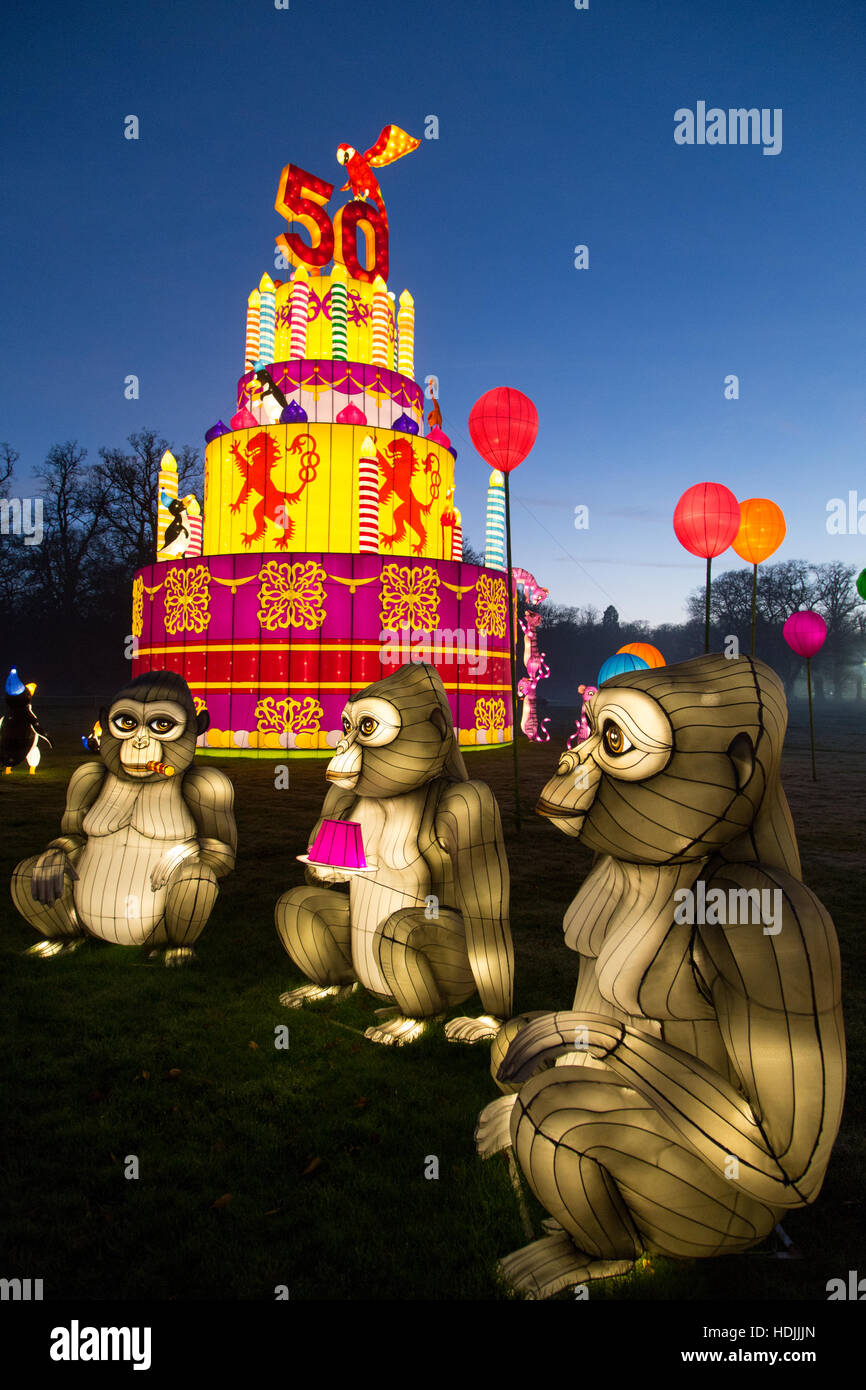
(706, 519)
(503, 424)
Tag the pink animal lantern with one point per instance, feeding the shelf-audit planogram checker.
(536, 666)
(805, 632)
(582, 729)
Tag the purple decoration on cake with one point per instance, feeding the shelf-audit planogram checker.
(215, 431)
(351, 415)
(406, 424)
(453, 451)
(293, 414)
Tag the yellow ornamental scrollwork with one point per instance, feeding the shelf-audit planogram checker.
(292, 595)
(491, 606)
(137, 606)
(409, 597)
(490, 714)
(187, 599)
(288, 716)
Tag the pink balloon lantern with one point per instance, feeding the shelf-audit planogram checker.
(805, 632)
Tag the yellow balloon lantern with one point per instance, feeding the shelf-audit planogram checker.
(762, 530)
(646, 651)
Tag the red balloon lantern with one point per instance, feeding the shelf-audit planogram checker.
(805, 632)
(503, 424)
(706, 519)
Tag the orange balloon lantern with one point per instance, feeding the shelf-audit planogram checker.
(646, 651)
(762, 530)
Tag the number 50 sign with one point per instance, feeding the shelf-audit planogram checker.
(301, 198)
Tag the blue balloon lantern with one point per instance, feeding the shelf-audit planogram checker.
(616, 665)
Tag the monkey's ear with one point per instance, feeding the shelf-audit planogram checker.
(202, 723)
(741, 752)
(438, 720)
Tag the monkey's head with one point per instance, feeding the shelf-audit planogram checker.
(151, 720)
(397, 734)
(679, 762)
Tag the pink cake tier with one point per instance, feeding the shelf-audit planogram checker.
(274, 644)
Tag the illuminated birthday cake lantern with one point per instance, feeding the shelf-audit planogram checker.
(328, 549)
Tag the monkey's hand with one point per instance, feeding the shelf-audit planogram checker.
(320, 873)
(493, 1130)
(171, 860)
(46, 880)
(473, 1030)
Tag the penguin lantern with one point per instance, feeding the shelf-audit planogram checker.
(145, 836)
(20, 730)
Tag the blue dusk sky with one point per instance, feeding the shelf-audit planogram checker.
(555, 128)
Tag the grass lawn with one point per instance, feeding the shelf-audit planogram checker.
(304, 1167)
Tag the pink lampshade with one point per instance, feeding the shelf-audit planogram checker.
(339, 844)
(805, 632)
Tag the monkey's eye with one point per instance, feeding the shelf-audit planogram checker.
(162, 724)
(368, 725)
(125, 723)
(614, 740)
(346, 724)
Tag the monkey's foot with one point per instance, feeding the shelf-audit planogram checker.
(473, 1030)
(55, 946)
(309, 994)
(396, 1031)
(177, 956)
(554, 1263)
(493, 1130)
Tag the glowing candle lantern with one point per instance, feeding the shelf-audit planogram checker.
(646, 651)
(380, 324)
(368, 498)
(706, 520)
(406, 335)
(166, 489)
(494, 546)
(194, 524)
(805, 632)
(251, 349)
(299, 316)
(762, 530)
(457, 536)
(267, 319)
(339, 341)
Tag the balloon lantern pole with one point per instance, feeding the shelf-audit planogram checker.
(503, 424)
(811, 722)
(754, 606)
(805, 633)
(707, 618)
(511, 642)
